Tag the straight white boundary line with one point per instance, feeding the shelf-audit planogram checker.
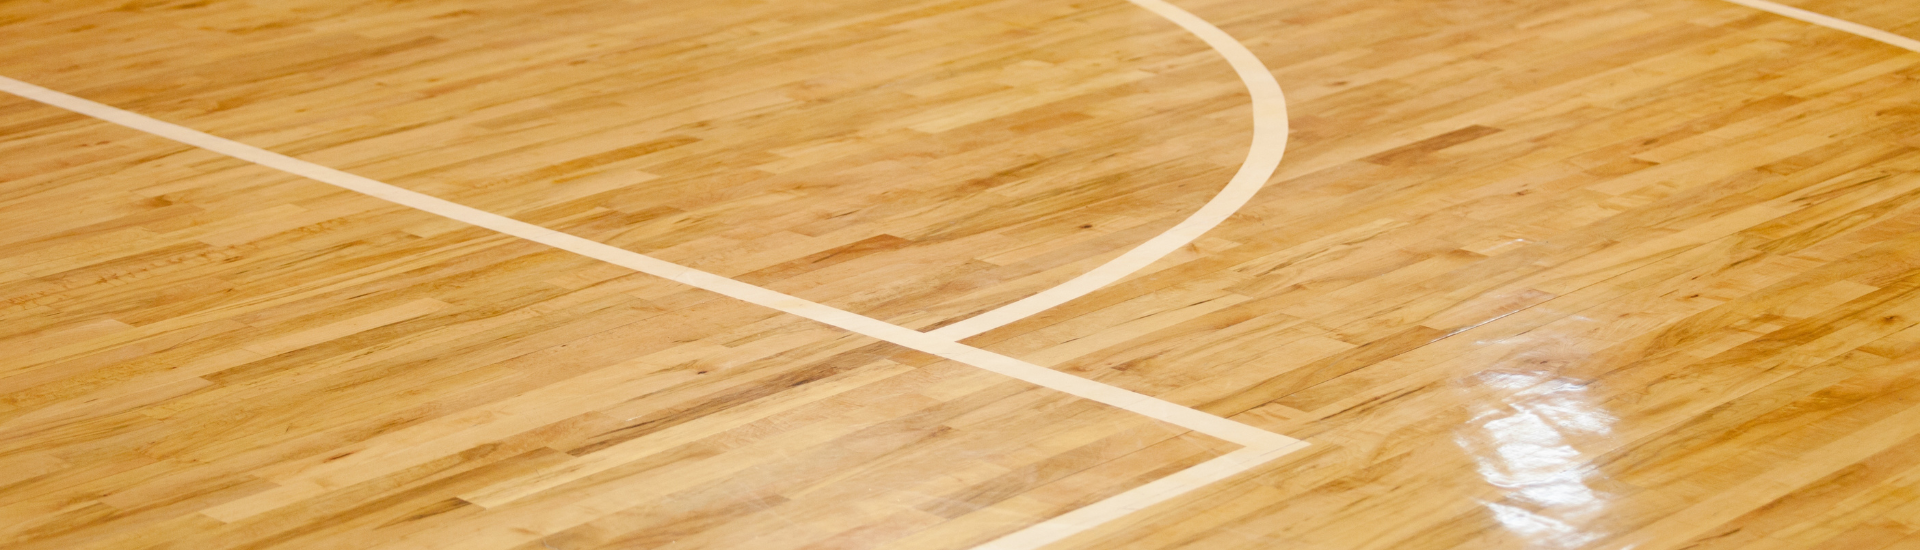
(1263, 158)
(1139, 498)
(1841, 25)
(1257, 442)
(1152, 407)
(1270, 129)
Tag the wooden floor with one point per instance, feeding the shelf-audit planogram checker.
(1541, 274)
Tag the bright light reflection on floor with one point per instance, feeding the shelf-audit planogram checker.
(1520, 442)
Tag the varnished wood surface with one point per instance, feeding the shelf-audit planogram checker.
(364, 385)
(1641, 279)
(1562, 274)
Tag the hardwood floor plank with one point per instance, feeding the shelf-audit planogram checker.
(1555, 274)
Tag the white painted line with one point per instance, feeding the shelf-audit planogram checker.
(1139, 498)
(1148, 406)
(1263, 157)
(1831, 23)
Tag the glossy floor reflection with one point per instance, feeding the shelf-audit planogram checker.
(1526, 447)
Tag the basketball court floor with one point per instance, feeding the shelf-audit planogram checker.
(953, 274)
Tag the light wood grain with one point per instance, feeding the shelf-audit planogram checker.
(352, 382)
(1560, 274)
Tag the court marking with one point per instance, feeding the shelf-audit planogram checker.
(1259, 446)
(1158, 409)
(1263, 158)
(1113, 508)
(1270, 129)
(1255, 442)
(1830, 22)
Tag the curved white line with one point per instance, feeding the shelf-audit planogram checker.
(1263, 157)
(1269, 141)
(1841, 25)
(1087, 518)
